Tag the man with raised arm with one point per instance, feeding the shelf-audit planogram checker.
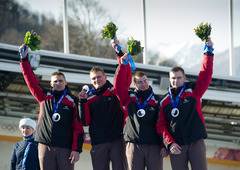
(102, 111)
(181, 123)
(59, 130)
(143, 146)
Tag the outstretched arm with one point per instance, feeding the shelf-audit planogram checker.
(205, 74)
(31, 80)
(120, 54)
(121, 83)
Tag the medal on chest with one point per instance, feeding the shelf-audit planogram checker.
(175, 111)
(56, 116)
(141, 112)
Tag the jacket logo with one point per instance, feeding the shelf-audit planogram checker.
(151, 109)
(65, 108)
(185, 101)
(108, 99)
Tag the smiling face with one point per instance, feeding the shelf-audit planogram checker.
(58, 82)
(176, 79)
(98, 79)
(26, 130)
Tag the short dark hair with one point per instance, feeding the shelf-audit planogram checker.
(138, 74)
(96, 69)
(176, 69)
(58, 73)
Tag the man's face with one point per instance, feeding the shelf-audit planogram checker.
(98, 79)
(141, 83)
(177, 79)
(58, 82)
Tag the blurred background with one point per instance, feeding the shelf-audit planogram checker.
(166, 31)
(170, 38)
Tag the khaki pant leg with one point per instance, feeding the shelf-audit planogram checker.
(100, 156)
(153, 159)
(117, 155)
(180, 162)
(197, 155)
(46, 158)
(63, 160)
(135, 157)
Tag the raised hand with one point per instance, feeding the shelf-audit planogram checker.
(23, 50)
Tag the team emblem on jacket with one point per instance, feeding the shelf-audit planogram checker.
(56, 117)
(175, 112)
(141, 113)
(108, 99)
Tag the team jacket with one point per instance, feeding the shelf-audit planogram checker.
(68, 131)
(139, 130)
(18, 155)
(104, 115)
(189, 125)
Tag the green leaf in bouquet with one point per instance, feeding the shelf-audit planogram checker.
(32, 40)
(26, 39)
(109, 31)
(31, 47)
(134, 46)
(203, 31)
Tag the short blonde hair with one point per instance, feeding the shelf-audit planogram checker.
(96, 69)
(58, 73)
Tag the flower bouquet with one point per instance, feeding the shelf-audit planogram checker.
(203, 31)
(134, 48)
(109, 31)
(32, 39)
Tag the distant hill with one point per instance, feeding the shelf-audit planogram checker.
(189, 56)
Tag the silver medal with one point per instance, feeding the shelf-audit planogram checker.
(175, 112)
(56, 117)
(141, 113)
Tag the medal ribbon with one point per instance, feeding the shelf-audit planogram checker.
(144, 103)
(23, 50)
(26, 150)
(55, 108)
(208, 48)
(91, 91)
(129, 59)
(117, 46)
(175, 103)
(94, 90)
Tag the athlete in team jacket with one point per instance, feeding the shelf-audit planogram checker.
(102, 111)
(143, 145)
(59, 130)
(181, 123)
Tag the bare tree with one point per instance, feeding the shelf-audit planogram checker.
(87, 18)
(51, 34)
(15, 21)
